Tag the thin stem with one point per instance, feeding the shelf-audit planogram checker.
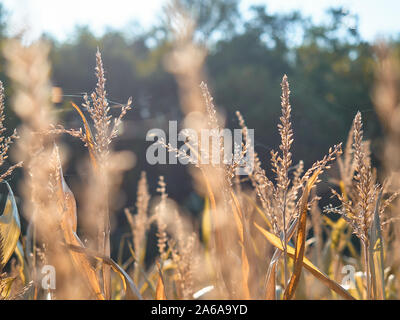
(366, 262)
(104, 237)
(285, 239)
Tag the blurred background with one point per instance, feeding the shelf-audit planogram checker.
(325, 47)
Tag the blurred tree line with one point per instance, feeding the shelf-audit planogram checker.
(330, 69)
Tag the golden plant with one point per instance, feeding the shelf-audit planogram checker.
(261, 237)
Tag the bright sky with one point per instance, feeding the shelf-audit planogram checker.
(58, 17)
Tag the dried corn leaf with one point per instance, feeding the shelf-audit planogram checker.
(270, 293)
(19, 252)
(300, 240)
(160, 294)
(270, 284)
(274, 240)
(89, 136)
(376, 253)
(68, 220)
(132, 292)
(160, 290)
(5, 287)
(10, 228)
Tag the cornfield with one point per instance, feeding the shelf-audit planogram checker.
(261, 236)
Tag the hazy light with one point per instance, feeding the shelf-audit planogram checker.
(60, 17)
